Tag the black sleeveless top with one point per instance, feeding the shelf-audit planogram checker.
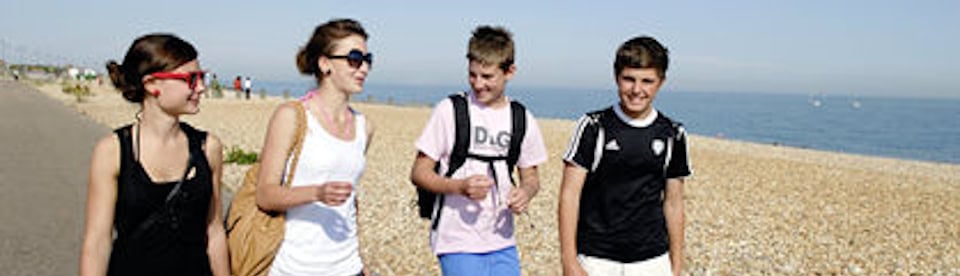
(176, 244)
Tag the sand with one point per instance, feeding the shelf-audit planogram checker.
(750, 208)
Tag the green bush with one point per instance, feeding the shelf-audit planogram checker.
(237, 155)
(79, 91)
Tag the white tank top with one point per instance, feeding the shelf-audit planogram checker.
(321, 239)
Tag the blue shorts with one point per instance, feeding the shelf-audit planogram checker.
(501, 262)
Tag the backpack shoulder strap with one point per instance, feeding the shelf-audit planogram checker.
(461, 142)
(518, 114)
(458, 155)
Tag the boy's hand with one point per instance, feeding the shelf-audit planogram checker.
(519, 199)
(476, 187)
(334, 193)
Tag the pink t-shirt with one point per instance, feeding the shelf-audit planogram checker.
(469, 226)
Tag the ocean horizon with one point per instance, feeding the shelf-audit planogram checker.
(903, 128)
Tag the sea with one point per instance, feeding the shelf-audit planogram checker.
(905, 128)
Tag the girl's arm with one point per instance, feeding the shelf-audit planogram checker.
(280, 133)
(216, 237)
(101, 201)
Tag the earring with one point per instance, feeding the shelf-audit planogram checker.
(156, 93)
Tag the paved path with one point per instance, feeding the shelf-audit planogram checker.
(44, 156)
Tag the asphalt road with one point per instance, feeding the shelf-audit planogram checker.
(44, 157)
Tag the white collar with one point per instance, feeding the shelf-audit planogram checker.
(641, 122)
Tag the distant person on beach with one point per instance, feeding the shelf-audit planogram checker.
(237, 85)
(156, 182)
(472, 229)
(206, 82)
(213, 84)
(321, 202)
(621, 197)
(247, 84)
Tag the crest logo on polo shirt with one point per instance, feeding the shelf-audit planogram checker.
(612, 146)
(657, 146)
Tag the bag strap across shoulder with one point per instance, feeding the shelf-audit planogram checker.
(164, 210)
(297, 145)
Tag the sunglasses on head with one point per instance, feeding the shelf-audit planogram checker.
(191, 78)
(355, 58)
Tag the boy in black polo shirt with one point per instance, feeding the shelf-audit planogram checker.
(621, 200)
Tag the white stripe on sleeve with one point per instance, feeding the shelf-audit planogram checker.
(575, 138)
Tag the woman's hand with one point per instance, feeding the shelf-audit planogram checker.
(334, 193)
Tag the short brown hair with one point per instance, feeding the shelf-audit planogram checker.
(149, 54)
(642, 52)
(323, 41)
(491, 46)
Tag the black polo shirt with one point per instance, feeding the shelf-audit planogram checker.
(621, 205)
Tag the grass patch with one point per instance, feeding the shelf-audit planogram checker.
(236, 155)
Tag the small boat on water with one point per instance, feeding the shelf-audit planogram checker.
(855, 104)
(815, 100)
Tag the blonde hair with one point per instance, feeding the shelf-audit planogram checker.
(491, 46)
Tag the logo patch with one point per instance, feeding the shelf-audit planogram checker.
(612, 145)
(657, 147)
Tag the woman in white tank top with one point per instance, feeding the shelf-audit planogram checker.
(321, 203)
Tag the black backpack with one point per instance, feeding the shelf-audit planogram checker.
(429, 203)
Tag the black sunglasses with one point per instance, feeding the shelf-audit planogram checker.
(355, 58)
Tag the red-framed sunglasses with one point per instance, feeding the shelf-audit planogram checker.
(191, 78)
(355, 58)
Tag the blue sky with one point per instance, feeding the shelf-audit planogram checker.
(863, 48)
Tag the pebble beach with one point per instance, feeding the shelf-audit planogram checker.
(750, 208)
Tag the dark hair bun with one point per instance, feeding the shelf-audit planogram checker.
(130, 90)
(306, 64)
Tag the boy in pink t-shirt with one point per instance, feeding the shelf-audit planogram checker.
(474, 234)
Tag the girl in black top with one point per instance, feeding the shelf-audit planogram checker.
(156, 182)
